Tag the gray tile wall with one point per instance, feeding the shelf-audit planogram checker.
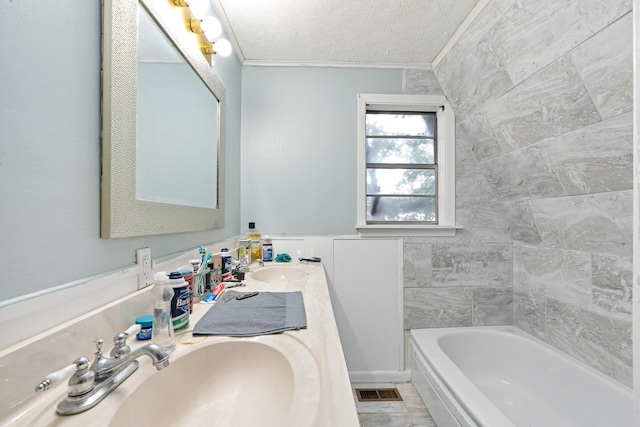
(543, 98)
(466, 280)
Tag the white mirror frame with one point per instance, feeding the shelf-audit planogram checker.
(122, 214)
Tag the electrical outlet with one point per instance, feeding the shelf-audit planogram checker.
(143, 258)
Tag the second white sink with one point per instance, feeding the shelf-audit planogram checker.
(278, 274)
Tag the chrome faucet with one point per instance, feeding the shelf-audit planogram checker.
(121, 356)
(88, 385)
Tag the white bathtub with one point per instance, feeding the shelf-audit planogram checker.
(504, 377)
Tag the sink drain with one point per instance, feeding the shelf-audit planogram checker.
(378, 394)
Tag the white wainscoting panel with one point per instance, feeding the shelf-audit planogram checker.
(367, 302)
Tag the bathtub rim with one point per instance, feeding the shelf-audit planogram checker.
(459, 403)
(468, 396)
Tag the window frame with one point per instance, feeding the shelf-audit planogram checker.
(445, 159)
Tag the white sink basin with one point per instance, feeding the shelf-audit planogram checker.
(233, 383)
(278, 274)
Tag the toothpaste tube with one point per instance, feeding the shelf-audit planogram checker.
(211, 297)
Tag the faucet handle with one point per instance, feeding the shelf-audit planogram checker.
(83, 379)
(55, 378)
(133, 329)
(120, 347)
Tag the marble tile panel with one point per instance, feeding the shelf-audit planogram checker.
(605, 63)
(600, 341)
(475, 33)
(422, 240)
(532, 34)
(477, 78)
(487, 264)
(520, 223)
(529, 312)
(612, 286)
(523, 174)
(596, 158)
(482, 223)
(464, 153)
(472, 187)
(421, 82)
(597, 223)
(551, 102)
(410, 397)
(473, 130)
(412, 419)
(417, 265)
(556, 273)
(492, 306)
(380, 407)
(437, 307)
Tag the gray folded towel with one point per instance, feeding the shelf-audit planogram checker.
(265, 313)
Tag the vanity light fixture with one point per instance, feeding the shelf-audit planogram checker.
(210, 27)
(195, 25)
(206, 28)
(207, 48)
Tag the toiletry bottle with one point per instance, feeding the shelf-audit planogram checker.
(212, 277)
(267, 249)
(187, 275)
(254, 237)
(179, 302)
(226, 264)
(244, 252)
(161, 295)
(146, 323)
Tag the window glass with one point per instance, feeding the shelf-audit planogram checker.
(401, 166)
(400, 209)
(401, 181)
(397, 150)
(400, 123)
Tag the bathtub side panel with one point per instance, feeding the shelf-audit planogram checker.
(437, 408)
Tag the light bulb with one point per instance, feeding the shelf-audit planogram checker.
(199, 8)
(211, 28)
(223, 47)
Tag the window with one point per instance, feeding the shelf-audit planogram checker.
(406, 165)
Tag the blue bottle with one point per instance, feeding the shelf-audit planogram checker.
(179, 302)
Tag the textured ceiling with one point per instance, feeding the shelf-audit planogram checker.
(344, 31)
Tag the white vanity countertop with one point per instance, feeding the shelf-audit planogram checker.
(336, 406)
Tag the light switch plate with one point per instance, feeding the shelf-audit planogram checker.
(145, 276)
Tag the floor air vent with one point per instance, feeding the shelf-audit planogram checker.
(377, 394)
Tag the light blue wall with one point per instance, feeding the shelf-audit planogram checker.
(50, 151)
(299, 146)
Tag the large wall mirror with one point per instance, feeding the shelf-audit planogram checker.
(163, 134)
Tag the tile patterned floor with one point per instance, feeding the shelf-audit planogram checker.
(410, 412)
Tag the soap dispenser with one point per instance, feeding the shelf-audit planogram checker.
(161, 295)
